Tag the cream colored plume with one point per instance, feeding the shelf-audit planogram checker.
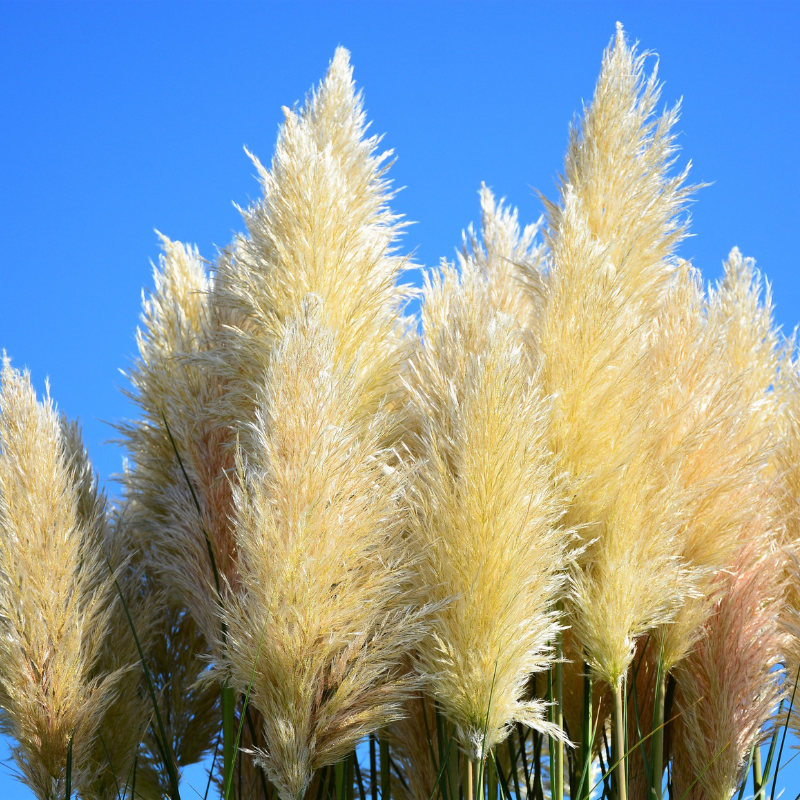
(125, 722)
(618, 165)
(324, 616)
(485, 518)
(512, 261)
(55, 594)
(178, 395)
(611, 242)
(323, 226)
(715, 362)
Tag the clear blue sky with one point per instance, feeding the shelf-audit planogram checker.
(121, 117)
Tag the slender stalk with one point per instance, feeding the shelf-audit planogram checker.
(468, 792)
(557, 778)
(758, 773)
(522, 734)
(618, 742)
(68, 787)
(491, 777)
(538, 784)
(657, 748)
(512, 757)
(551, 716)
(586, 733)
(227, 701)
(452, 766)
(362, 795)
(386, 776)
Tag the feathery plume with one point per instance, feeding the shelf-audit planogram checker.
(787, 462)
(484, 520)
(611, 241)
(324, 227)
(324, 616)
(125, 722)
(177, 394)
(55, 594)
(727, 686)
(716, 362)
(511, 260)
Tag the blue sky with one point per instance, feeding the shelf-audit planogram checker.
(121, 117)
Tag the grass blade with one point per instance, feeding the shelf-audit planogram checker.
(479, 787)
(703, 771)
(211, 770)
(110, 763)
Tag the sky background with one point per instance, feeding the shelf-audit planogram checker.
(122, 117)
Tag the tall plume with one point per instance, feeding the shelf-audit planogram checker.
(55, 594)
(178, 431)
(485, 518)
(322, 226)
(611, 241)
(717, 361)
(325, 616)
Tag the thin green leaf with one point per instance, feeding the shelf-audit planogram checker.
(110, 762)
(211, 770)
(443, 765)
(703, 771)
(486, 726)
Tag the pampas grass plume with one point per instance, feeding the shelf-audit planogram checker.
(55, 594)
(485, 522)
(325, 616)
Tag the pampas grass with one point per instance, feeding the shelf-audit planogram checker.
(325, 614)
(484, 519)
(55, 593)
(562, 509)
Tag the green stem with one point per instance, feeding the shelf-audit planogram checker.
(586, 733)
(558, 767)
(469, 790)
(491, 777)
(758, 774)
(349, 776)
(341, 777)
(452, 766)
(228, 703)
(512, 757)
(657, 748)
(618, 742)
(551, 717)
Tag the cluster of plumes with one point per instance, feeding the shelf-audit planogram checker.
(356, 525)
